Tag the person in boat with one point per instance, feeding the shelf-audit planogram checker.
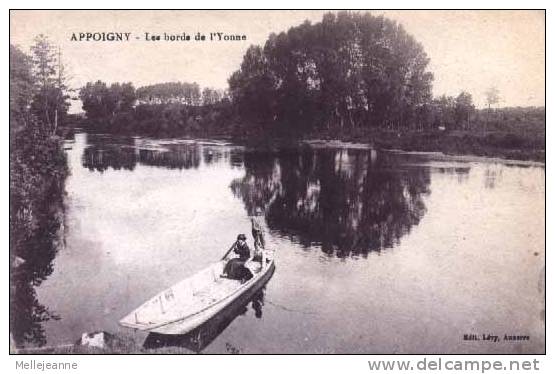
(235, 268)
(258, 235)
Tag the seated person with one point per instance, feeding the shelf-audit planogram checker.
(235, 268)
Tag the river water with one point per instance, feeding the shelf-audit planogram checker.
(375, 251)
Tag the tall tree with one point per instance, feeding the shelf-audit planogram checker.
(351, 69)
(253, 85)
(21, 85)
(50, 103)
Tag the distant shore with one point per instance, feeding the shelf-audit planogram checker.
(494, 144)
(502, 145)
(521, 145)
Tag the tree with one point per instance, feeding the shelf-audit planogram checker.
(253, 86)
(50, 103)
(463, 109)
(94, 98)
(350, 69)
(211, 96)
(21, 85)
(101, 102)
(492, 98)
(444, 107)
(170, 92)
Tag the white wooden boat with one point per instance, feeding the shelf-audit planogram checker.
(195, 300)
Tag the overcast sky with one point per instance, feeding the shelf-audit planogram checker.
(469, 50)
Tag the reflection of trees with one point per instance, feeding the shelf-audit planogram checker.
(112, 157)
(492, 175)
(36, 228)
(347, 201)
(118, 153)
(182, 156)
(103, 153)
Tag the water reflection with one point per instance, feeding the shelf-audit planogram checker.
(199, 338)
(36, 250)
(103, 153)
(117, 153)
(492, 175)
(183, 156)
(348, 201)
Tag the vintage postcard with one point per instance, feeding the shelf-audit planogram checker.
(277, 182)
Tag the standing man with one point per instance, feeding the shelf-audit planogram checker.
(258, 235)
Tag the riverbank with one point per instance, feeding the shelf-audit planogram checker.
(113, 344)
(119, 345)
(492, 144)
(498, 144)
(78, 349)
(522, 143)
(507, 133)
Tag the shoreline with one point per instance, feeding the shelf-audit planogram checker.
(494, 145)
(467, 157)
(462, 146)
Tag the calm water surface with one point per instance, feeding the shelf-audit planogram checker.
(376, 252)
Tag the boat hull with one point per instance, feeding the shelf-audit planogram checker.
(203, 335)
(165, 317)
(189, 324)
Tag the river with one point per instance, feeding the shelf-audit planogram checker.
(375, 251)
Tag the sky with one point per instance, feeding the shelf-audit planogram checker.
(469, 50)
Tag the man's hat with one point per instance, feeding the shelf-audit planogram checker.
(241, 237)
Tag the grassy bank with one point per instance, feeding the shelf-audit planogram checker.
(501, 144)
(510, 145)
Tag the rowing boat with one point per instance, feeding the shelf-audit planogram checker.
(195, 300)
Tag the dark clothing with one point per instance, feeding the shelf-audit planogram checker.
(235, 268)
(243, 250)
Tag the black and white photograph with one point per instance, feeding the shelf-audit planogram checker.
(329, 182)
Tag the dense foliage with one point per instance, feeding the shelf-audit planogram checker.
(37, 175)
(351, 69)
(101, 101)
(163, 109)
(170, 92)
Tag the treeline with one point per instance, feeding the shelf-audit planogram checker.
(350, 71)
(356, 75)
(179, 92)
(38, 169)
(350, 76)
(171, 108)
